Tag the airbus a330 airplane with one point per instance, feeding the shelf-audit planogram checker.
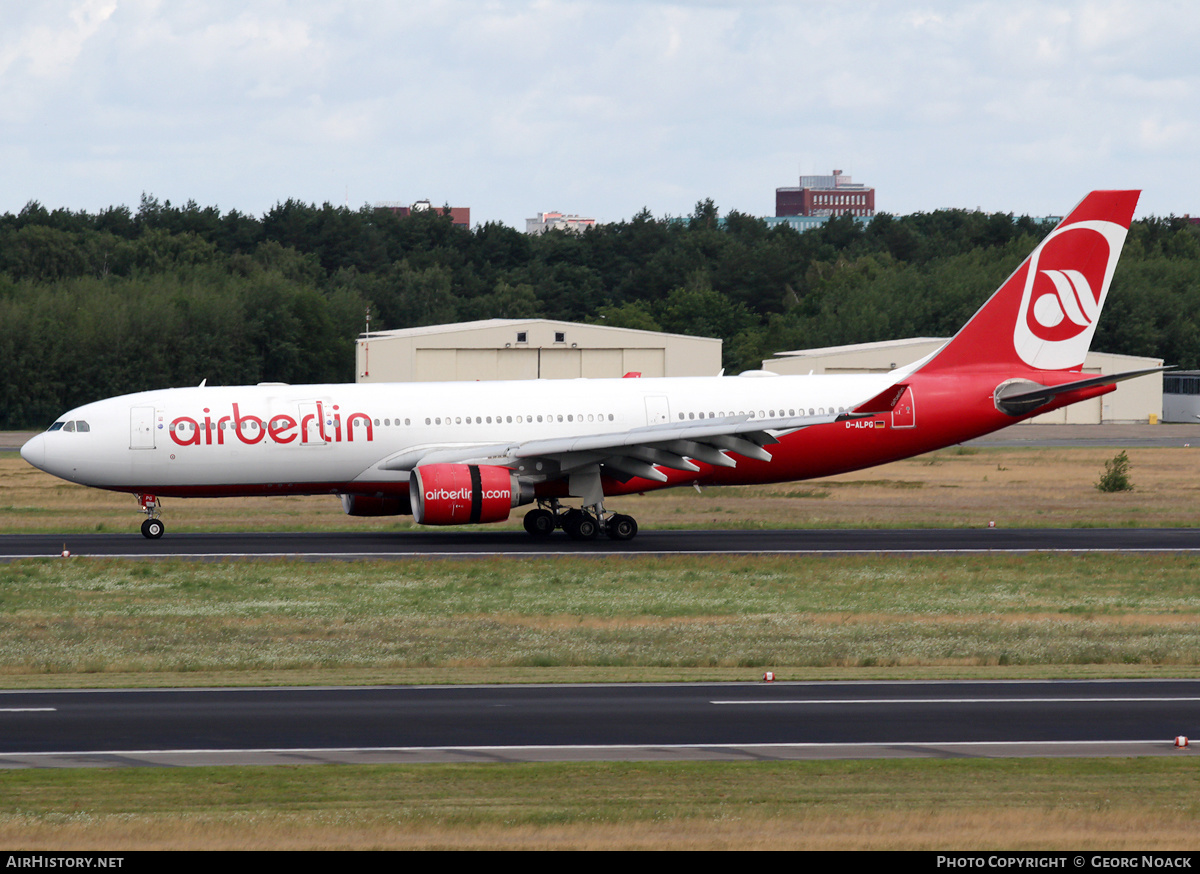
(454, 453)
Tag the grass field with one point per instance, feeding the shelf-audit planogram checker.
(112, 623)
(1074, 804)
(661, 618)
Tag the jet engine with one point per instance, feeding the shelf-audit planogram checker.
(457, 494)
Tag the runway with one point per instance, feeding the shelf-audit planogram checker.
(746, 721)
(479, 543)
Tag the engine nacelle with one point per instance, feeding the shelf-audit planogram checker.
(459, 494)
(376, 505)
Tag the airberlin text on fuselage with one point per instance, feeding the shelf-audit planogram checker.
(315, 427)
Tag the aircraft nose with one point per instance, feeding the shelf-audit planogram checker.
(34, 451)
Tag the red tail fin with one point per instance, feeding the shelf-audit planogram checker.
(1044, 315)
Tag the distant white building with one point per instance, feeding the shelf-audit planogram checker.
(556, 221)
(530, 349)
(1181, 396)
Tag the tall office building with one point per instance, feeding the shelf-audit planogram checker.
(829, 195)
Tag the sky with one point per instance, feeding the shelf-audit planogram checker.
(597, 108)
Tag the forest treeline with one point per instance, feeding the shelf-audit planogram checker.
(93, 305)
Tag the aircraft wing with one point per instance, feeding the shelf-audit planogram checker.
(623, 454)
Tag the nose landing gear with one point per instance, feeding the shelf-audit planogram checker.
(153, 527)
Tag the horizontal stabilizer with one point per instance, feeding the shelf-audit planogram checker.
(1021, 397)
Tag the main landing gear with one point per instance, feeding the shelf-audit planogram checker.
(153, 527)
(585, 524)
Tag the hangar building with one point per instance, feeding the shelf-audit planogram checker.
(1181, 396)
(529, 349)
(1137, 400)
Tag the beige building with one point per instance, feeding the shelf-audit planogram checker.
(529, 349)
(1137, 400)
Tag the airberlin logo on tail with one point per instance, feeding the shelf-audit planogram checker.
(1066, 281)
(1066, 310)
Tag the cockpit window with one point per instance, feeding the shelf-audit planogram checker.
(77, 425)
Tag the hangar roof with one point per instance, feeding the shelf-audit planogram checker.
(488, 324)
(860, 347)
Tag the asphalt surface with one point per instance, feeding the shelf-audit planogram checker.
(479, 543)
(1085, 436)
(595, 722)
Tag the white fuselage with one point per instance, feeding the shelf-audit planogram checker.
(320, 437)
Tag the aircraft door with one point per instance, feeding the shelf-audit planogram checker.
(658, 410)
(311, 432)
(904, 413)
(141, 427)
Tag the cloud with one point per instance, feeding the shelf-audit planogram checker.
(514, 107)
(47, 41)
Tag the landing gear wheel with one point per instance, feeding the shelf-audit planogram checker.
(153, 529)
(582, 527)
(539, 523)
(622, 527)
